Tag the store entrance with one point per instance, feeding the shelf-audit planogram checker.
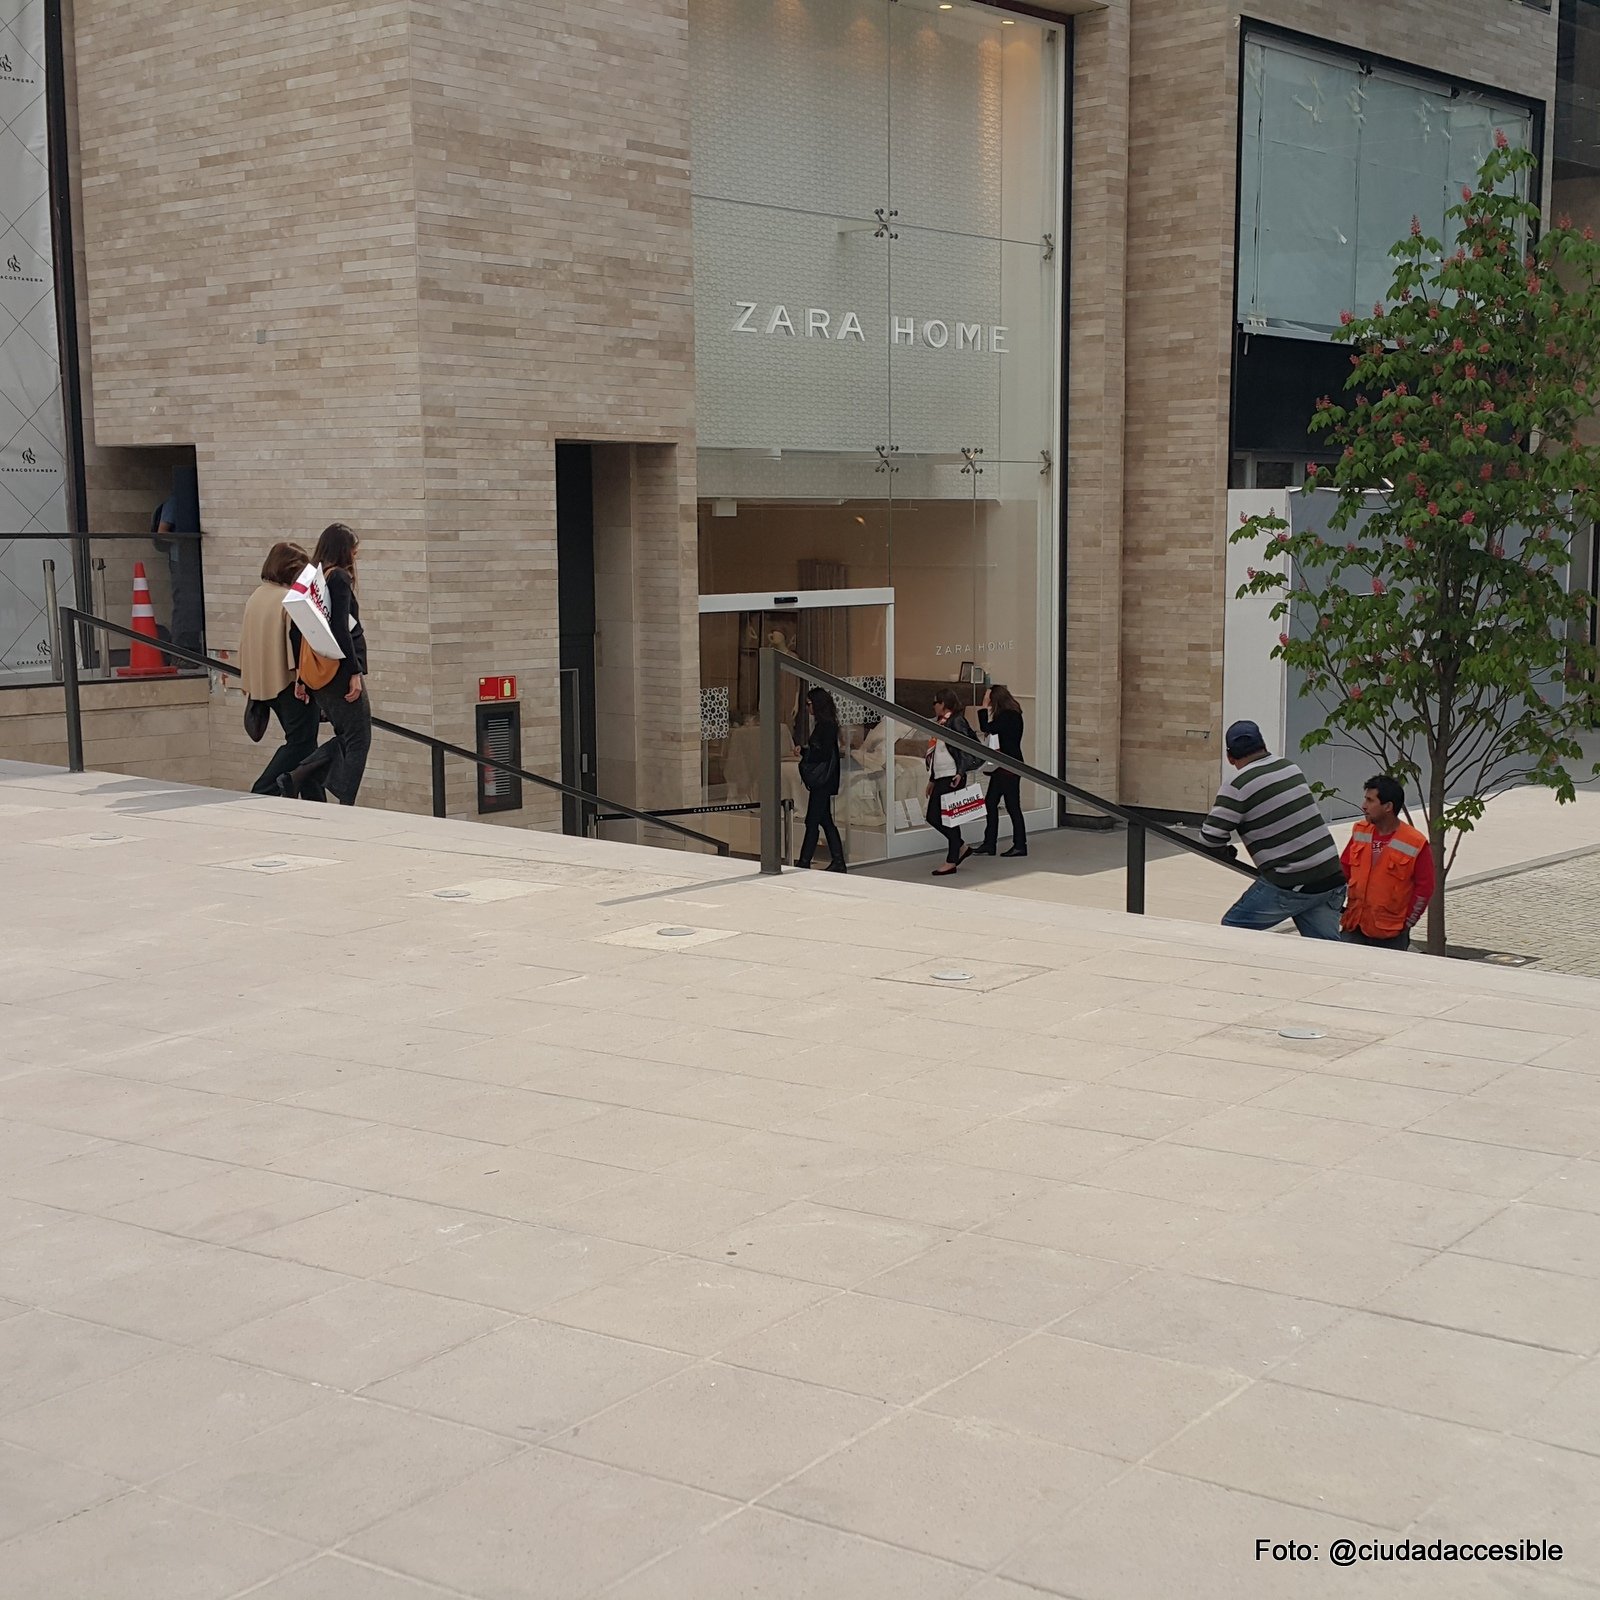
(848, 632)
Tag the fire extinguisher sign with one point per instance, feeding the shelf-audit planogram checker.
(497, 689)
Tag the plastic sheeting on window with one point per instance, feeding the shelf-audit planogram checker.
(1336, 160)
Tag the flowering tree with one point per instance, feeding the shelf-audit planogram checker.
(1443, 639)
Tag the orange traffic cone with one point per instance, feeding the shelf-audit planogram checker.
(144, 660)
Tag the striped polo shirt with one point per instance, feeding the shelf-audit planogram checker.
(1270, 806)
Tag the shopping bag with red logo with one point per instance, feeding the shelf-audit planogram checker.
(306, 601)
(962, 805)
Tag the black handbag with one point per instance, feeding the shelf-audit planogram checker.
(257, 719)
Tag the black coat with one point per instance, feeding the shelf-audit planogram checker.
(819, 760)
(1007, 725)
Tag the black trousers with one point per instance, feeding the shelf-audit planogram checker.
(954, 844)
(1401, 941)
(351, 722)
(819, 819)
(298, 719)
(1006, 786)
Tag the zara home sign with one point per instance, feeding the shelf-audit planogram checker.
(817, 323)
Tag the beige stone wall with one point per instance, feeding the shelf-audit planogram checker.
(156, 730)
(1096, 402)
(553, 257)
(250, 273)
(372, 262)
(1182, 177)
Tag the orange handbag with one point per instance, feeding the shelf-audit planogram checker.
(316, 671)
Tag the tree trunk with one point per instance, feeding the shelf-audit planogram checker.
(1436, 803)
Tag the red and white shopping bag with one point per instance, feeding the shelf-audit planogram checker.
(961, 806)
(307, 604)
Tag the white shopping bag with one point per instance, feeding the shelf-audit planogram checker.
(962, 806)
(307, 605)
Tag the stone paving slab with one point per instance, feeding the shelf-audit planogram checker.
(362, 1244)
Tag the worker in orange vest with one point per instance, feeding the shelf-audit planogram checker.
(1388, 866)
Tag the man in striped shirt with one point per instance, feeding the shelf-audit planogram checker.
(1269, 804)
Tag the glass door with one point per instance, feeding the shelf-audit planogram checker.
(847, 632)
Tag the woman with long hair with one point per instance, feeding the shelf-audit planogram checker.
(1000, 718)
(267, 664)
(947, 772)
(343, 699)
(819, 772)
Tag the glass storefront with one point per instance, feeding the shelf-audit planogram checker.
(876, 196)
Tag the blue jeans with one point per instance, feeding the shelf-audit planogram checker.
(1263, 906)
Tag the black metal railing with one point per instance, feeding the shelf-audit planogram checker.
(438, 749)
(774, 663)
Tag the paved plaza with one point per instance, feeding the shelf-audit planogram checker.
(1549, 912)
(397, 1209)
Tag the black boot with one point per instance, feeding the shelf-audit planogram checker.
(1017, 850)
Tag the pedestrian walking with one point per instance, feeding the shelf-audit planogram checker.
(342, 700)
(1269, 804)
(1000, 722)
(819, 772)
(267, 665)
(1388, 866)
(947, 775)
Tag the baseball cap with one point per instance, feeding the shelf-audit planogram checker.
(1243, 739)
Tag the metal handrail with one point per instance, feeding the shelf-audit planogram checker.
(774, 662)
(439, 748)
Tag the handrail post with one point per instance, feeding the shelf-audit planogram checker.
(52, 613)
(437, 752)
(69, 684)
(771, 765)
(1136, 842)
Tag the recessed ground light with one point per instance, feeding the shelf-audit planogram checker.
(266, 864)
(952, 977)
(1300, 1033)
(106, 838)
(676, 933)
(452, 894)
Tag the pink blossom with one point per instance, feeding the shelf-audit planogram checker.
(1377, 308)
(1282, 539)
(1500, 140)
(1399, 440)
(1346, 318)
(1350, 548)
(1588, 233)
(1355, 694)
(1468, 518)
(1250, 572)
(1401, 389)
(1377, 586)
(1416, 227)
(1283, 638)
(1433, 508)
(1411, 544)
(1486, 472)
(1535, 284)
(1466, 193)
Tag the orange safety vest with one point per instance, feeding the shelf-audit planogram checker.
(1382, 883)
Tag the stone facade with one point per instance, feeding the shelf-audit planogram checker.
(1181, 187)
(368, 275)
(154, 730)
(379, 256)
